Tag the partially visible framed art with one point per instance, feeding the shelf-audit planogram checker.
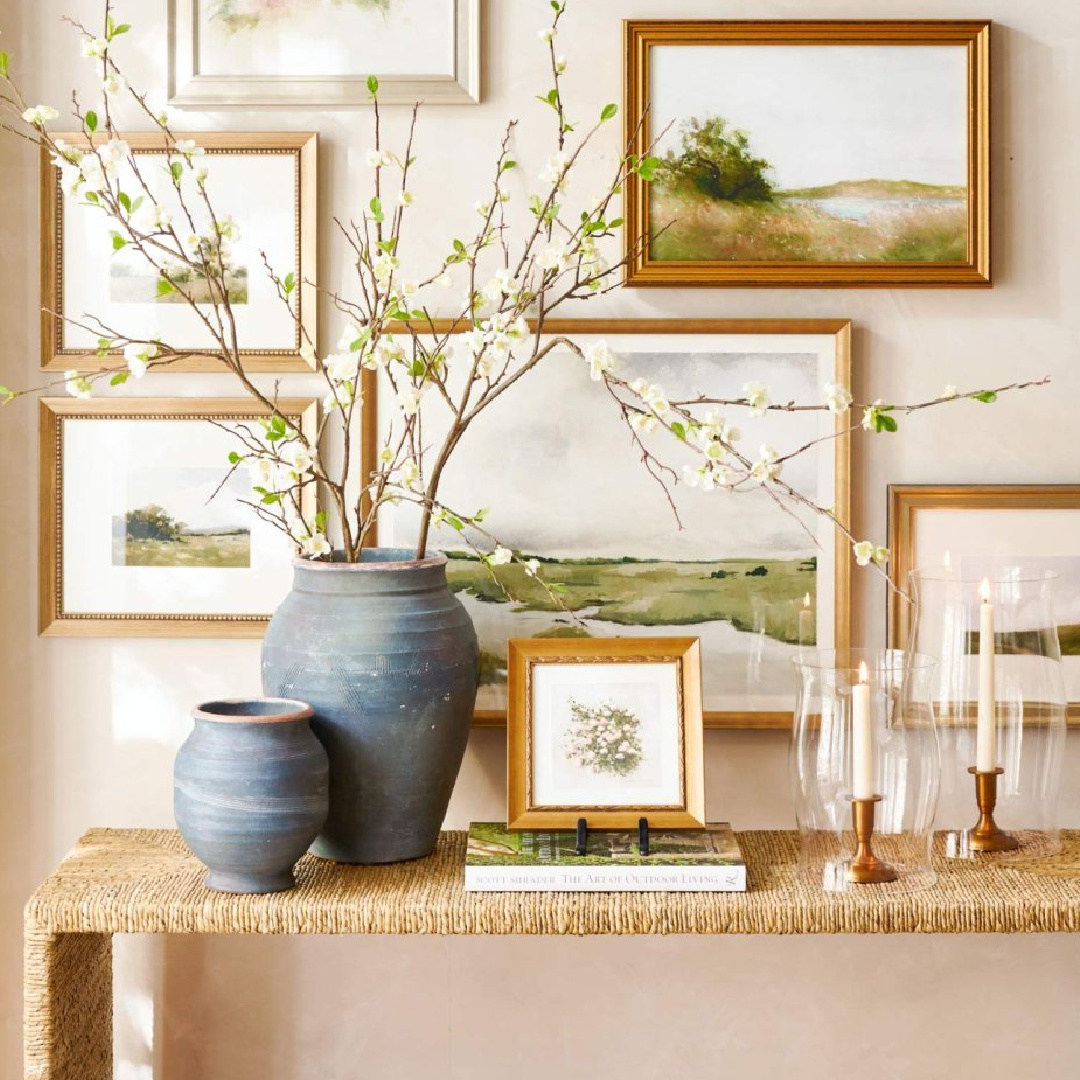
(558, 473)
(266, 182)
(809, 153)
(975, 529)
(145, 527)
(318, 54)
(609, 730)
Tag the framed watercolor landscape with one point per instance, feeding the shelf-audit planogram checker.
(809, 153)
(984, 530)
(564, 485)
(319, 53)
(145, 529)
(266, 182)
(609, 729)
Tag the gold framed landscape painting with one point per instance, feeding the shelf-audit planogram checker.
(266, 182)
(563, 484)
(984, 530)
(605, 729)
(809, 152)
(319, 53)
(146, 528)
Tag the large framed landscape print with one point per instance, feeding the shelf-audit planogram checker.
(265, 182)
(319, 53)
(563, 482)
(809, 152)
(146, 529)
(987, 531)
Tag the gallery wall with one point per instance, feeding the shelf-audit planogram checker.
(89, 727)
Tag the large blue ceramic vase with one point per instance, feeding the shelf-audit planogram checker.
(387, 656)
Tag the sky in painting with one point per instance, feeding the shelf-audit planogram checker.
(821, 114)
(186, 494)
(556, 465)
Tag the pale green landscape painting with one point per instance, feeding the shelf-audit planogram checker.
(811, 154)
(234, 15)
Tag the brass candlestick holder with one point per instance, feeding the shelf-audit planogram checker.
(987, 836)
(865, 867)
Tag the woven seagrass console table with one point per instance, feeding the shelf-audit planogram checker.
(134, 881)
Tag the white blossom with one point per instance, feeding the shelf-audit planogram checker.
(93, 48)
(77, 385)
(297, 456)
(408, 475)
(114, 83)
(350, 335)
(138, 356)
(871, 414)
(443, 280)
(554, 256)
(547, 34)
(378, 159)
(383, 266)
(189, 149)
(502, 284)
(866, 552)
(532, 567)
(38, 115)
(837, 397)
(643, 421)
(767, 467)
(560, 64)
(404, 198)
(409, 402)
(501, 556)
(757, 397)
(340, 367)
(341, 397)
(557, 170)
(315, 546)
(600, 359)
(950, 391)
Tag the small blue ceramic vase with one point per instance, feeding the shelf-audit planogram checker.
(251, 791)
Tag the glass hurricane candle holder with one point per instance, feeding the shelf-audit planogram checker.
(1000, 705)
(864, 769)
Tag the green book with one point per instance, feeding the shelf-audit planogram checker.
(679, 860)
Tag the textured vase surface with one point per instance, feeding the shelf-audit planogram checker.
(387, 656)
(251, 791)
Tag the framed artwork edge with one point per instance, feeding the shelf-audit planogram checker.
(640, 271)
(905, 500)
(685, 650)
(52, 622)
(839, 328)
(187, 89)
(255, 361)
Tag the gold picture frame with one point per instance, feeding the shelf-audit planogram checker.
(528, 657)
(907, 501)
(841, 332)
(55, 618)
(641, 36)
(301, 146)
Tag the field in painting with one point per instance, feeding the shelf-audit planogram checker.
(754, 596)
(136, 284)
(853, 221)
(229, 551)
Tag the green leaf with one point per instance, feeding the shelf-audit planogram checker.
(109, 26)
(987, 397)
(320, 520)
(91, 120)
(417, 368)
(123, 28)
(234, 458)
(455, 523)
(177, 170)
(6, 395)
(164, 287)
(125, 201)
(376, 209)
(277, 423)
(416, 313)
(608, 111)
(270, 498)
(678, 430)
(118, 242)
(884, 423)
(289, 283)
(480, 514)
(459, 247)
(91, 197)
(550, 98)
(3, 65)
(120, 378)
(615, 223)
(136, 203)
(508, 165)
(372, 85)
(647, 168)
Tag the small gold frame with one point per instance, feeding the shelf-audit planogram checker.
(302, 146)
(53, 620)
(639, 36)
(526, 654)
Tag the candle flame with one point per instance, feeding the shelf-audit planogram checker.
(984, 590)
(806, 601)
(864, 675)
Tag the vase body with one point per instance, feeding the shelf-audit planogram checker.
(865, 770)
(250, 792)
(387, 656)
(1027, 707)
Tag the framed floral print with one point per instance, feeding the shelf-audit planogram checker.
(809, 152)
(318, 54)
(146, 529)
(562, 484)
(609, 730)
(265, 182)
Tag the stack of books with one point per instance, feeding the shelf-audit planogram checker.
(683, 860)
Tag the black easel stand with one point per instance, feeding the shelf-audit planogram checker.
(583, 836)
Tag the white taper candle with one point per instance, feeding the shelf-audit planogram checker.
(986, 721)
(862, 739)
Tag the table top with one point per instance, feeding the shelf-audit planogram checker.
(147, 881)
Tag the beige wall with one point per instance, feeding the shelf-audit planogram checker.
(90, 727)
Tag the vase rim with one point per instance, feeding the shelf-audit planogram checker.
(229, 711)
(850, 659)
(376, 565)
(1017, 574)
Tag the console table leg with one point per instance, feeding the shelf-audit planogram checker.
(67, 1006)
